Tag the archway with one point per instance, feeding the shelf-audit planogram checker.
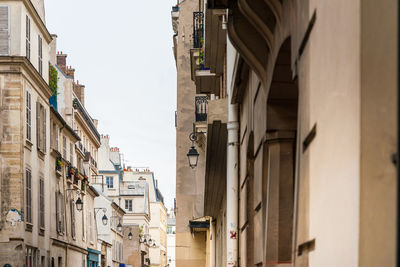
(279, 160)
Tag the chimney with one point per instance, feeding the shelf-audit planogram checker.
(62, 61)
(70, 72)
(79, 90)
(95, 122)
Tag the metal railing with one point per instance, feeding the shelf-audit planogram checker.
(201, 107)
(198, 29)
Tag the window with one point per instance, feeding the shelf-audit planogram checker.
(110, 181)
(28, 38)
(128, 204)
(72, 209)
(41, 203)
(4, 31)
(28, 188)
(28, 116)
(60, 212)
(41, 127)
(71, 153)
(40, 56)
(64, 147)
(30, 257)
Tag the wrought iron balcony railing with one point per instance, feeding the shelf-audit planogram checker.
(198, 29)
(201, 106)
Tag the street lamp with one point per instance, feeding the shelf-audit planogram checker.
(193, 155)
(79, 204)
(119, 227)
(130, 236)
(104, 219)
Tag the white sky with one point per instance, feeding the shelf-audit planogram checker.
(122, 53)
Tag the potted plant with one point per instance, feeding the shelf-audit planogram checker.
(59, 164)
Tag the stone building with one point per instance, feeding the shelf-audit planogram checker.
(190, 245)
(298, 164)
(24, 129)
(136, 190)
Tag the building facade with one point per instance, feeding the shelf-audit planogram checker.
(300, 132)
(136, 190)
(171, 238)
(24, 149)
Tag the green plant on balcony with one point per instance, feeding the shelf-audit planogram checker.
(59, 164)
(84, 184)
(53, 79)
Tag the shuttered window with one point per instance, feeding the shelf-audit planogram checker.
(28, 116)
(71, 153)
(72, 209)
(58, 224)
(62, 213)
(28, 37)
(64, 147)
(4, 31)
(41, 127)
(41, 203)
(28, 191)
(40, 56)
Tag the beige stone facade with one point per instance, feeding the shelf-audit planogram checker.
(314, 84)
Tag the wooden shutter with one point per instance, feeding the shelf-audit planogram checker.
(28, 38)
(40, 55)
(28, 115)
(62, 213)
(38, 125)
(72, 208)
(28, 196)
(41, 204)
(4, 31)
(57, 214)
(44, 129)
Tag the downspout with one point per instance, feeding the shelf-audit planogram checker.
(232, 173)
(398, 136)
(232, 166)
(232, 198)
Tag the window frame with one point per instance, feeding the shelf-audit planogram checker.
(108, 179)
(130, 206)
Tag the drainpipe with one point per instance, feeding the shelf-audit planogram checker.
(232, 198)
(398, 137)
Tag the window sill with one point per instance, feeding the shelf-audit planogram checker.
(28, 227)
(28, 144)
(41, 231)
(58, 173)
(41, 154)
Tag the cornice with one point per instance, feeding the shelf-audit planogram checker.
(28, 4)
(29, 68)
(82, 121)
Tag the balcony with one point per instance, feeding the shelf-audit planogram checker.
(198, 29)
(90, 159)
(201, 106)
(207, 82)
